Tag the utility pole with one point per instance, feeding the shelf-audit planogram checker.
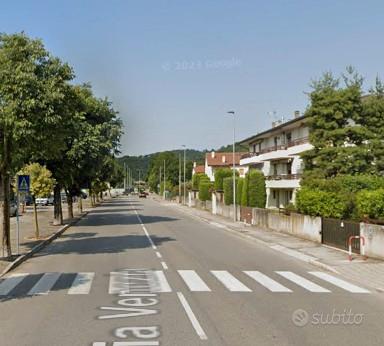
(164, 180)
(234, 168)
(184, 187)
(125, 177)
(180, 178)
(160, 180)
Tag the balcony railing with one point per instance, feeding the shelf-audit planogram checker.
(277, 147)
(283, 177)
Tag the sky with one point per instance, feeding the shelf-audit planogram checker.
(173, 69)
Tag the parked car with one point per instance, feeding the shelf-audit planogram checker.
(13, 209)
(45, 200)
(142, 194)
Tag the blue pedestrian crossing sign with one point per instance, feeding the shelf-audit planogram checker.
(23, 183)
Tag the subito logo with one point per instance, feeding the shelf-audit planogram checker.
(300, 318)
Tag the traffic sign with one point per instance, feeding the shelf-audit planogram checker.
(23, 183)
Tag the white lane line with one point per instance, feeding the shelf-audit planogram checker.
(161, 283)
(44, 285)
(303, 282)
(135, 343)
(195, 323)
(11, 282)
(82, 283)
(158, 254)
(194, 282)
(154, 247)
(99, 343)
(229, 281)
(339, 282)
(267, 282)
(164, 265)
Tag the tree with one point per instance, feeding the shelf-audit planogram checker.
(41, 186)
(32, 83)
(239, 190)
(228, 190)
(334, 118)
(256, 189)
(204, 188)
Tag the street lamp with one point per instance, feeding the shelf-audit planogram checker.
(184, 187)
(234, 171)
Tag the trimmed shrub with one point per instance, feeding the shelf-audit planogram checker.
(220, 174)
(239, 190)
(244, 192)
(204, 190)
(322, 203)
(196, 180)
(228, 190)
(370, 204)
(256, 189)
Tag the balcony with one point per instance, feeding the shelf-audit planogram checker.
(298, 141)
(283, 177)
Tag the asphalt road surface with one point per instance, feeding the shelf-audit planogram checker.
(137, 273)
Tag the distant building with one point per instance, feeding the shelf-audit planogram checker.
(276, 153)
(198, 169)
(214, 161)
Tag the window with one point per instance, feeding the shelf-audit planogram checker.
(289, 137)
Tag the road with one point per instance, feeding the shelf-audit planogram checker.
(135, 273)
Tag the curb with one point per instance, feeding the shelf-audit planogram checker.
(243, 234)
(40, 246)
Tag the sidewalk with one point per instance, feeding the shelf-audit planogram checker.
(370, 271)
(27, 229)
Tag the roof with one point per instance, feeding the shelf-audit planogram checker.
(222, 159)
(272, 129)
(199, 169)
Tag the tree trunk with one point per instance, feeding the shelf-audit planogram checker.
(80, 204)
(70, 204)
(91, 196)
(37, 233)
(57, 210)
(4, 194)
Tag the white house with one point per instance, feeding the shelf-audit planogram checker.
(214, 161)
(276, 153)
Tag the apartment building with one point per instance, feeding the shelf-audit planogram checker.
(276, 152)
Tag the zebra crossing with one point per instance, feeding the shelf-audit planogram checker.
(156, 281)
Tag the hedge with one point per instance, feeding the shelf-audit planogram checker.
(256, 189)
(239, 190)
(204, 188)
(228, 190)
(370, 204)
(220, 174)
(196, 180)
(322, 203)
(244, 192)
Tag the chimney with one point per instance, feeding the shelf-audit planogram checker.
(297, 114)
(273, 124)
(223, 159)
(213, 154)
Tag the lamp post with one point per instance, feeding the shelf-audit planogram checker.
(184, 187)
(179, 178)
(234, 168)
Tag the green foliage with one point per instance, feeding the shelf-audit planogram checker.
(220, 174)
(204, 188)
(244, 192)
(228, 190)
(370, 204)
(239, 190)
(321, 203)
(196, 180)
(256, 194)
(41, 179)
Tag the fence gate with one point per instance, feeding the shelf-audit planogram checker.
(246, 214)
(335, 232)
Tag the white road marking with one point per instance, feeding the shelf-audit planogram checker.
(82, 283)
(195, 323)
(158, 254)
(154, 247)
(44, 285)
(267, 282)
(340, 283)
(98, 343)
(135, 343)
(164, 265)
(193, 281)
(11, 282)
(303, 282)
(160, 284)
(229, 281)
